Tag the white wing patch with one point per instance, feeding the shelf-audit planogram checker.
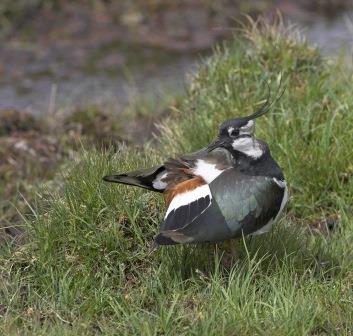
(188, 197)
(158, 182)
(206, 170)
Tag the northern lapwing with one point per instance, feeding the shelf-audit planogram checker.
(232, 187)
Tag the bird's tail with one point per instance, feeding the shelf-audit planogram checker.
(142, 178)
(123, 179)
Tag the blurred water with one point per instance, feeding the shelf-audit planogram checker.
(46, 94)
(40, 94)
(330, 35)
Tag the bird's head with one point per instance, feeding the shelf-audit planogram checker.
(238, 134)
(236, 128)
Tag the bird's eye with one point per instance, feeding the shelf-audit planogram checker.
(234, 133)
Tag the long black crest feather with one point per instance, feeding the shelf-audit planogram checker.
(268, 103)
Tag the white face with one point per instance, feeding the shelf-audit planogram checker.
(248, 146)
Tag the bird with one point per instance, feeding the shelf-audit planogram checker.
(229, 189)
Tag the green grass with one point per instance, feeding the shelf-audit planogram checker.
(86, 268)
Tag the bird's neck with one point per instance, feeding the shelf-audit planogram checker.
(263, 165)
